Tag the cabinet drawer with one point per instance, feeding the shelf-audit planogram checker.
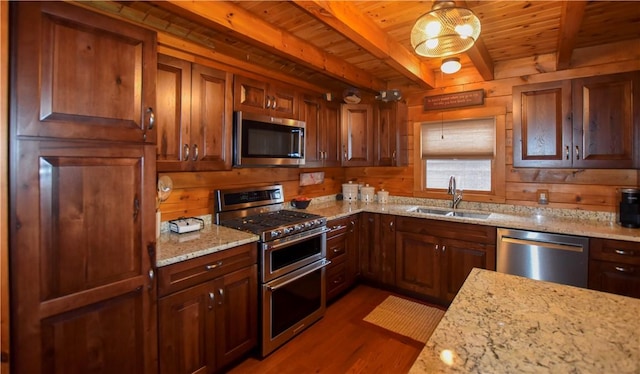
(615, 251)
(184, 274)
(337, 226)
(336, 279)
(446, 229)
(336, 247)
(621, 279)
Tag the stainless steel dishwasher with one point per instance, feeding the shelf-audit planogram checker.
(543, 256)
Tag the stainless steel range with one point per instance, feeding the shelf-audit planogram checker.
(292, 251)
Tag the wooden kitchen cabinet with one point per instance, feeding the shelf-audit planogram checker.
(322, 134)
(390, 136)
(73, 84)
(194, 116)
(614, 266)
(342, 251)
(356, 122)
(589, 122)
(82, 192)
(433, 258)
(208, 311)
(274, 99)
(377, 248)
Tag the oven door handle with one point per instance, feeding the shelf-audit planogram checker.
(288, 241)
(313, 267)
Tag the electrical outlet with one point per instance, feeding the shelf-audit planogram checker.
(543, 197)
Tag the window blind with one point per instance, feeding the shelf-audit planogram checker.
(470, 138)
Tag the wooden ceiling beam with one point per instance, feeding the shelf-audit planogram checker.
(234, 20)
(570, 21)
(346, 18)
(479, 56)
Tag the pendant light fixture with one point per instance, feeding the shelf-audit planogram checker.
(445, 31)
(450, 65)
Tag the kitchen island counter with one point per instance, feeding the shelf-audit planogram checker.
(500, 323)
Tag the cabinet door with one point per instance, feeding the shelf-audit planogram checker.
(386, 136)
(606, 121)
(458, 259)
(357, 134)
(211, 118)
(418, 263)
(83, 234)
(237, 315)
(387, 246)
(619, 278)
(187, 330)
(330, 130)
(284, 101)
(250, 95)
(81, 75)
(310, 114)
(353, 244)
(173, 114)
(542, 135)
(370, 256)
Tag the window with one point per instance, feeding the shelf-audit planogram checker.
(465, 149)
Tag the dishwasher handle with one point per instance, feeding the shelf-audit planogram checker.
(562, 247)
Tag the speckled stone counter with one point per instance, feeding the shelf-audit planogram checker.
(501, 323)
(591, 224)
(172, 248)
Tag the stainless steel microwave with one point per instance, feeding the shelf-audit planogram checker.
(261, 140)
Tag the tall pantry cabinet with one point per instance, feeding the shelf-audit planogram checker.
(82, 192)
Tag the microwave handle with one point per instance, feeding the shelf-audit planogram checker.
(299, 133)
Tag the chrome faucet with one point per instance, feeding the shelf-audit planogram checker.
(454, 192)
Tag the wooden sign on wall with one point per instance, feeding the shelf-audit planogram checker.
(454, 100)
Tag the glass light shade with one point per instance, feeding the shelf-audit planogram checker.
(450, 65)
(445, 31)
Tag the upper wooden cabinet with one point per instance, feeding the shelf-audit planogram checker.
(587, 123)
(390, 134)
(81, 77)
(322, 134)
(357, 130)
(270, 98)
(194, 116)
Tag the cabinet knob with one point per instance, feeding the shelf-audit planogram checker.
(185, 152)
(577, 153)
(195, 152)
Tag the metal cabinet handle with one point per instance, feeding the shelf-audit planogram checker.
(211, 300)
(195, 152)
(566, 151)
(393, 156)
(444, 248)
(391, 226)
(274, 103)
(185, 152)
(268, 104)
(623, 269)
(152, 118)
(624, 252)
(213, 266)
(221, 294)
(577, 153)
(151, 276)
(437, 247)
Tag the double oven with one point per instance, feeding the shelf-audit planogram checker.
(292, 256)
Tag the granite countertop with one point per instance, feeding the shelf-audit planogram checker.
(500, 323)
(172, 247)
(566, 222)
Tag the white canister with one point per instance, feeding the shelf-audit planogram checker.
(350, 192)
(367, 193)
(383, 196)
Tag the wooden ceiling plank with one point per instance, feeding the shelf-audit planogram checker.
(570, 22)
(346, 19)
(227, 17)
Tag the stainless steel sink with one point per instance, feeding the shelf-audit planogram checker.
(450, 213)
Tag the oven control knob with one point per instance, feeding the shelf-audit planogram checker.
(275, 233)
(287, 230)
(308, 224)
(298, 227)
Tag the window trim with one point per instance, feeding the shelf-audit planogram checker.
(498, 164)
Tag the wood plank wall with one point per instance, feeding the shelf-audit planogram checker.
(594, 189)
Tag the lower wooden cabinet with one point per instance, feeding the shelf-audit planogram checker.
(433, 258)
(377, 248)
(342, 251)
(614, 266)
(205, 327)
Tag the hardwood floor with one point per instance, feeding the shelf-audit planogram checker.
(341, 342)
